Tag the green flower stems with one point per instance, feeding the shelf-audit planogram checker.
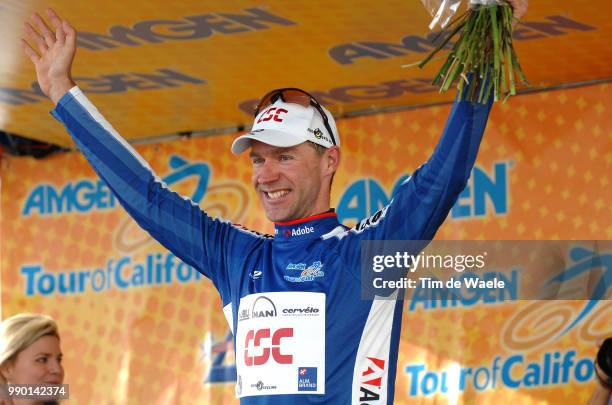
(483, 57)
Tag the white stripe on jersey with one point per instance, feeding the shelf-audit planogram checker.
(372, 361)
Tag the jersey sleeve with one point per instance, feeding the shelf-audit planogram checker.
(176, 222)
(423, 201)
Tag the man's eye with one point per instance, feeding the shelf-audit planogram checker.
(257, 161)
(286, 157)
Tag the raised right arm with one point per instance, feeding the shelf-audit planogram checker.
(176, 222)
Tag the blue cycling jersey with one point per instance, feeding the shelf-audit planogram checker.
(302, 333)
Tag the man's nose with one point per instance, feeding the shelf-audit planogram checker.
(268, 172)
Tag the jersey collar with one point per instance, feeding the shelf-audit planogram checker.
(306, 228)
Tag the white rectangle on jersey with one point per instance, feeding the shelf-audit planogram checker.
(280, 344)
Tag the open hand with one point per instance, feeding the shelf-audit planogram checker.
(56, 50)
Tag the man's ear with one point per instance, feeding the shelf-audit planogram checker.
(332, 159)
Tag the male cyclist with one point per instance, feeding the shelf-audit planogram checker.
(302, 333)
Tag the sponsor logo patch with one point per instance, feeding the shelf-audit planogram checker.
(263, 387)
(243, 315)
(263, 307)
(307, 273)
(307, 379)
(371, 381)
(305, 230)
(318, 134)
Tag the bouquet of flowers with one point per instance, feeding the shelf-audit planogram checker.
(483, 56)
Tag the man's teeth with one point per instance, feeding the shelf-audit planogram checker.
(277, 194)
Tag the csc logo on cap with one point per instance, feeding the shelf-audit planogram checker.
(272, 113)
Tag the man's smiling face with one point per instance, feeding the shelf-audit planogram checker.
(289, 181)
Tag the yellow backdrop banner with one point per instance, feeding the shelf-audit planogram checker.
(138, 326)
(158, 67)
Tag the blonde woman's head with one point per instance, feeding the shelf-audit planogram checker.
(30, 350)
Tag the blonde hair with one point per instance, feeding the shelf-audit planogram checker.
(20, 331)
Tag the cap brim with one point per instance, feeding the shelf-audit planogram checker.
(267, 136)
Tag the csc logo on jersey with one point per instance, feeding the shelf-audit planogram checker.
(267, 343)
